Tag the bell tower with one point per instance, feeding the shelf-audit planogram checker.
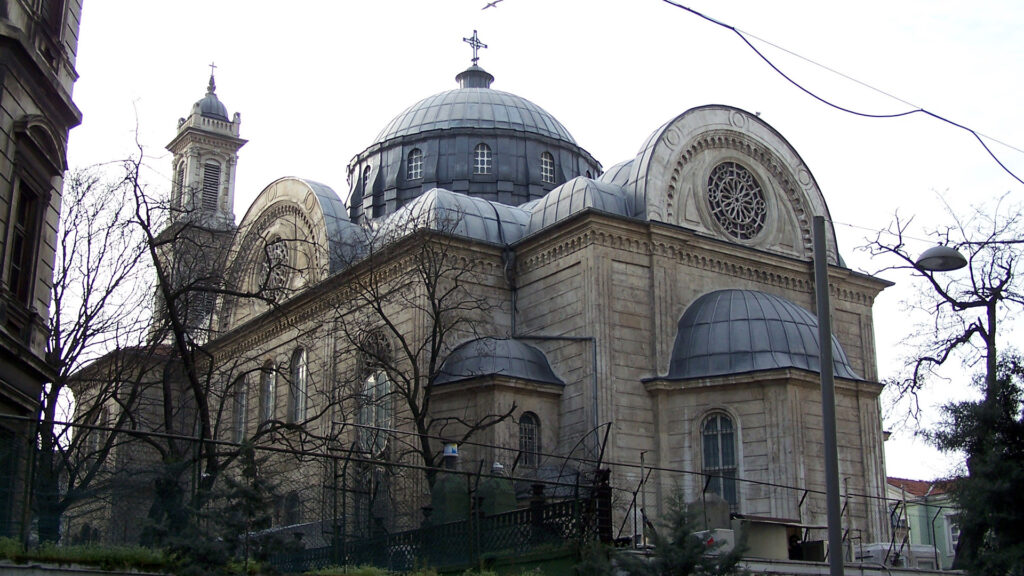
(201, 224)
(205, 153)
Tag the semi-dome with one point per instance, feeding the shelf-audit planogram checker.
(457, 214)
(497, 357)
(574, 196)
(736, 331)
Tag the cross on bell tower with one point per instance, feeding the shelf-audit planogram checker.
(475, 42)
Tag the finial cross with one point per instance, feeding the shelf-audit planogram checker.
(212, 66)
(475, 42)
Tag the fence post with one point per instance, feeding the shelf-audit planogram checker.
(603, 506)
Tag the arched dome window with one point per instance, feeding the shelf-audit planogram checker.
(482, 159)
(366, 180)
(719, 456)
(211, 185)
(414, 165)
(529, 440)
(547, 168)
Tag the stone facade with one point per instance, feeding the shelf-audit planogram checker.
(38, 42)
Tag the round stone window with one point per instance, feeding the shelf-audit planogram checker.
(736, 201)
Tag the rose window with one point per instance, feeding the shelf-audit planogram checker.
(737, 201)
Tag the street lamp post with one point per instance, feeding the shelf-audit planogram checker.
(936, 259)
(828, 401)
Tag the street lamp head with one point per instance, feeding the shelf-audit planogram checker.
(941, 259)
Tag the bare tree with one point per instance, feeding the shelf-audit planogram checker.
(967, 306)
(94, 310)
(196, 391)
(408, 298)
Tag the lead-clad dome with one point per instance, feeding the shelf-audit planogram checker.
(736, 331)
(475, 108)
(497, 357)
(211, 106)
(473, 140)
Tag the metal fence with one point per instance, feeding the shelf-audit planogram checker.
(542, 526)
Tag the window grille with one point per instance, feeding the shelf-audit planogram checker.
(719, 442)
(529, 440)
(482, 159)
(547, 167)
(414, 165)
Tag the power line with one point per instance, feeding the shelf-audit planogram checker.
(916, 110)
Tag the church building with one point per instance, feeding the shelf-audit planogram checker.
(485, 283)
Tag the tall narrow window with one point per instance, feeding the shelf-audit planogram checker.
(375, 412)
(482, 159)
(547, 167)
(241, 416)
(179, 185)
(297, 389)
(292, 513)
(211, 186)
(529, 440)
(414, 165)
(267, 392)
(366, 180)
(719, 442)
(23, 244)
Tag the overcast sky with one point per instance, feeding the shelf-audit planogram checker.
(316, 81)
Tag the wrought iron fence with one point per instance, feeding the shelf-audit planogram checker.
(542, 526)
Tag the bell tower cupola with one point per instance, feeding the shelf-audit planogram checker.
(205, 153)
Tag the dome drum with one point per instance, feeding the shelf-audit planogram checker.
(515, 174)
(526, 151)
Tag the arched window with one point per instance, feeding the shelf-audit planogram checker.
(529, 440)
(366, 180)
(179, 184)
(719, 443)
(547, 167)
(292, 513)
(211, 186)
(482, 159)
(240, 415)
(375, 412)
(297, 388)
(267, 392)
(414, 165)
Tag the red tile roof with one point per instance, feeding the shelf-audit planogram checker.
(920, 487)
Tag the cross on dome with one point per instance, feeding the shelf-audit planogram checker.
(212, 87)
(475, 42)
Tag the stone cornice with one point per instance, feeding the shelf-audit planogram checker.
(495, 382)
(692, 250)
(323, 301)
(776, 377)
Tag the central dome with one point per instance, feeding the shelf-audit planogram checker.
(475, 108)
(473, 140)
